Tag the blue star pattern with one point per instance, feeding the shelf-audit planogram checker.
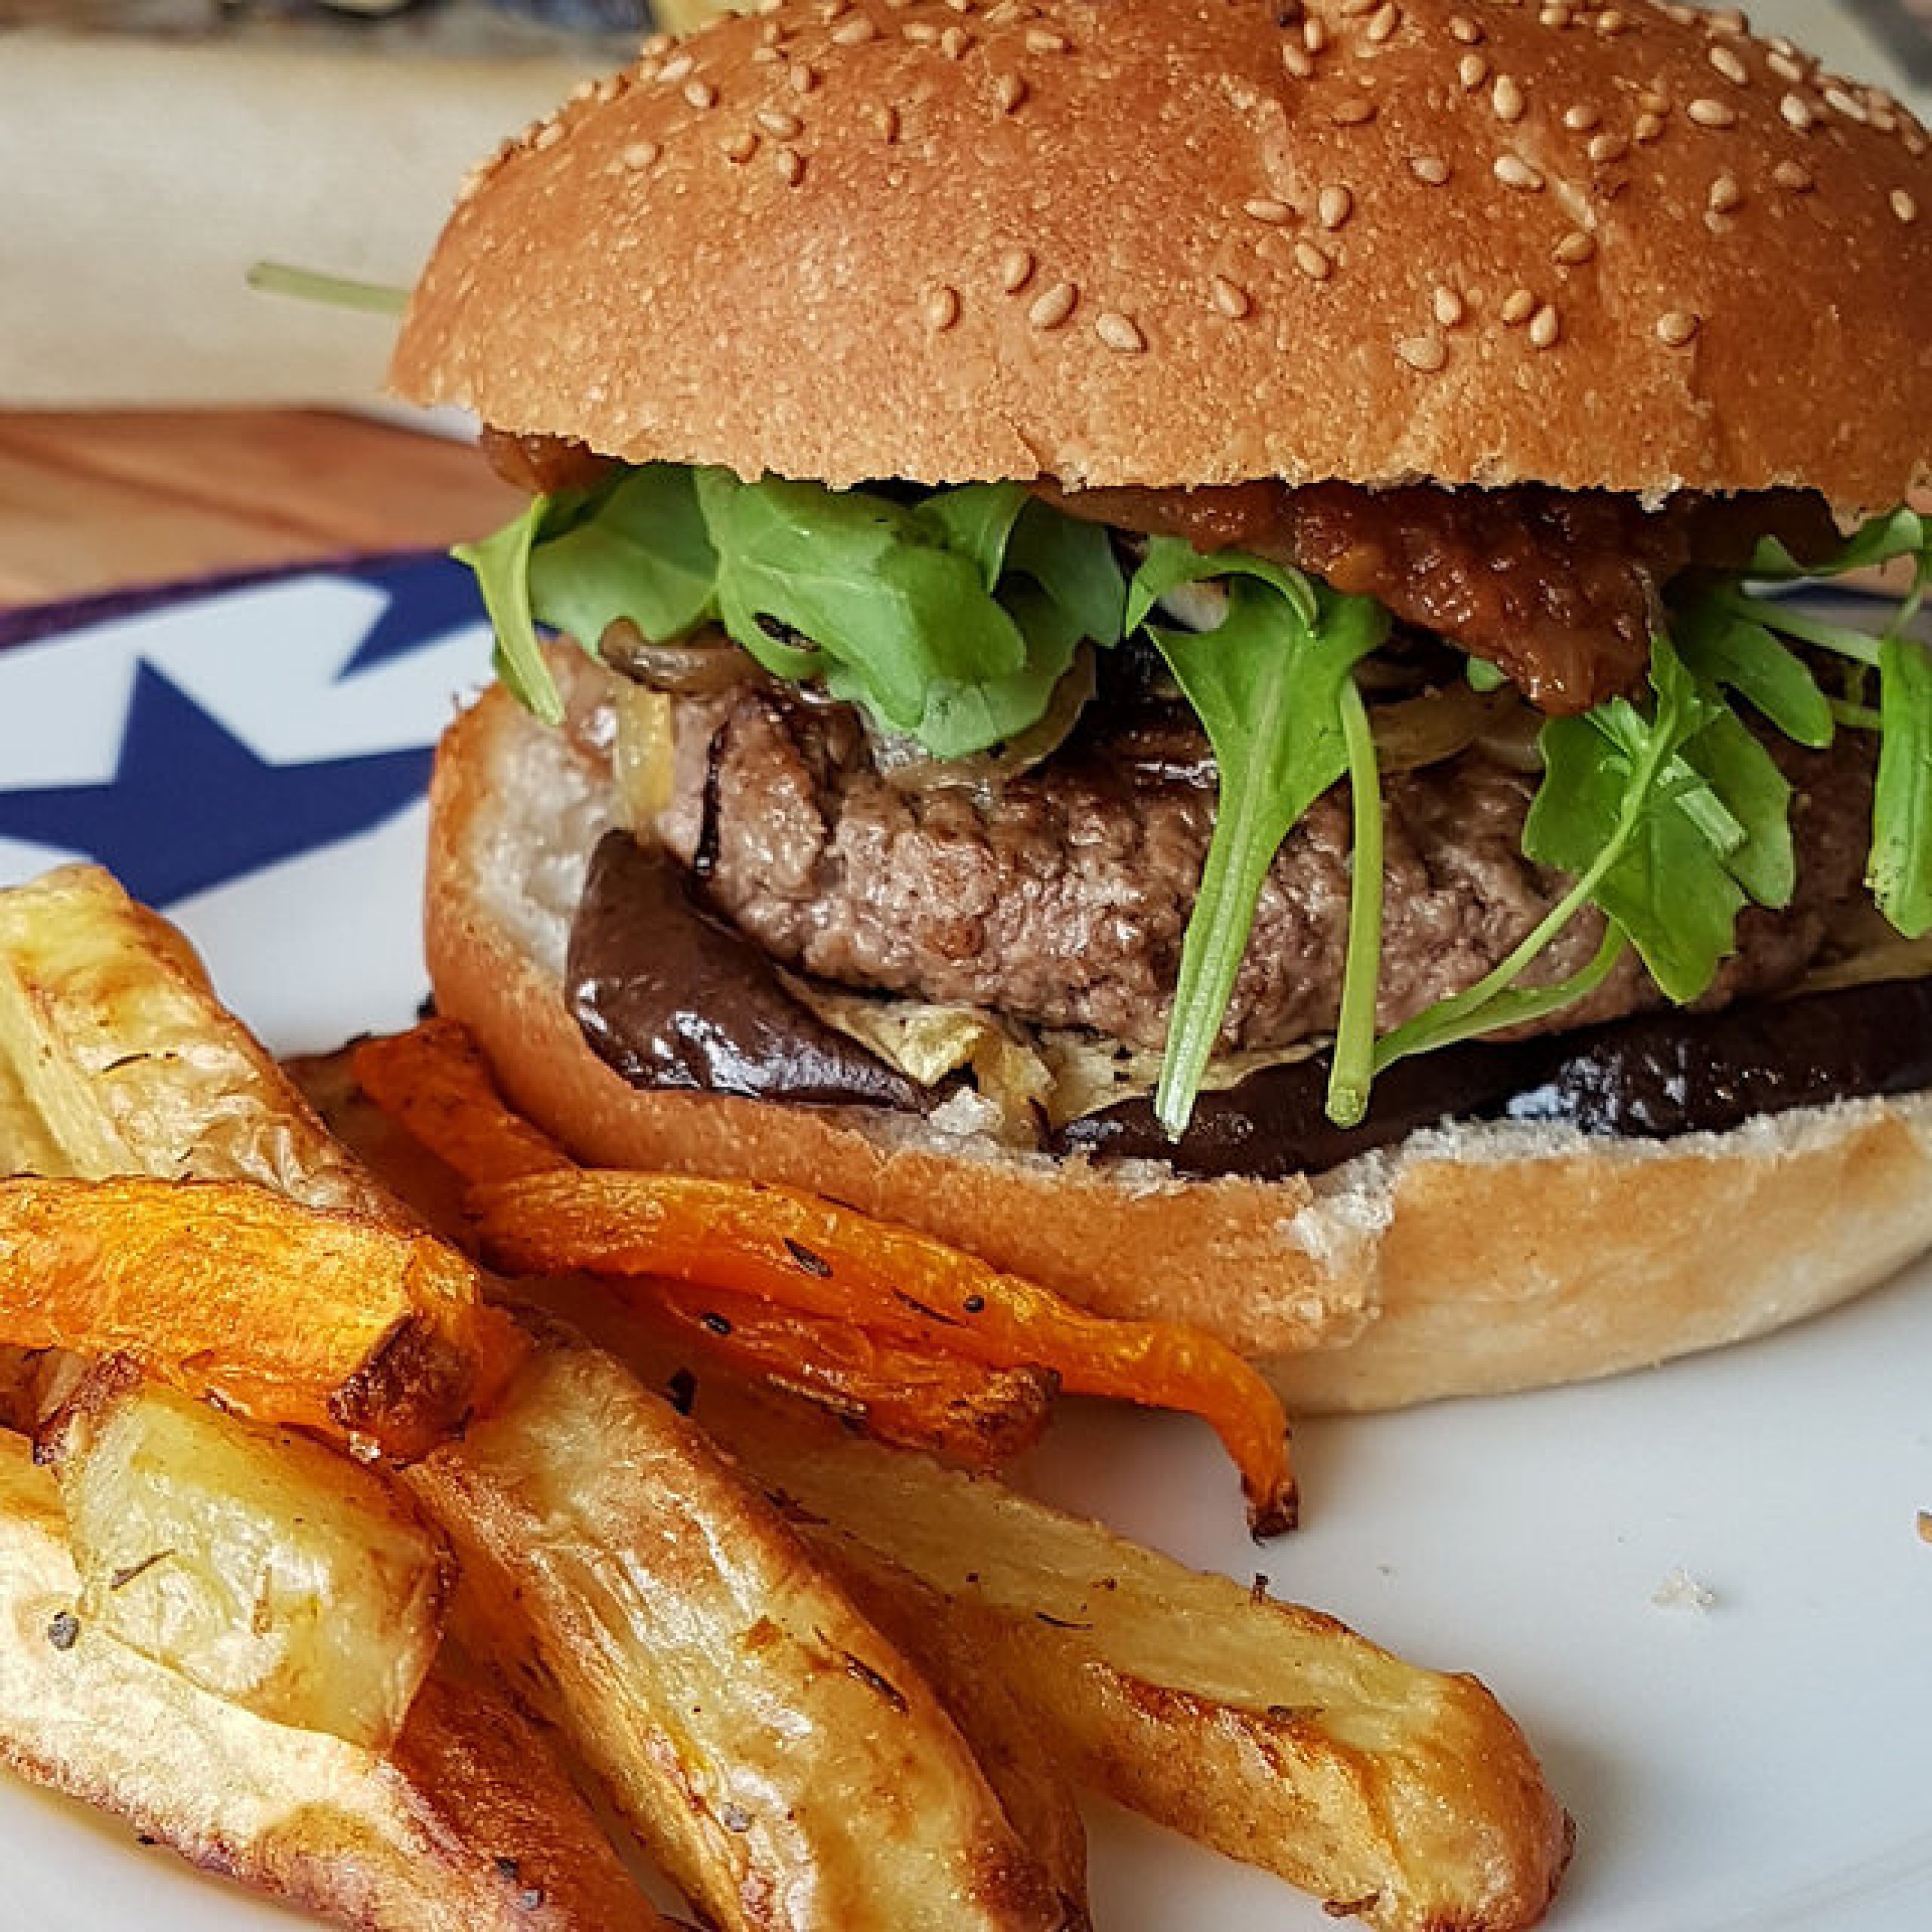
(191, 801)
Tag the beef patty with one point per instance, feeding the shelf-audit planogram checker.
(1061, 896)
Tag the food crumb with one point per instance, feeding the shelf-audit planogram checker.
(1925, 1525)
(1681, 1591)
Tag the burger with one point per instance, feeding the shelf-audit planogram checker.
(1204, 645)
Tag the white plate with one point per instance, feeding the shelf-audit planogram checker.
(1764, 1762)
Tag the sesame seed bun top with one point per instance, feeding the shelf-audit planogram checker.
(1178, 242)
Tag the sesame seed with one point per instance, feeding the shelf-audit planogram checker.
(1015, 270)
(1118, 332)
(1506, 98)
(1317, 266)
(854, 32)
(1610, 23)
(1794, 175)
(1725, 195)
(675, 69)
(1606, 148)
(700, 94)
(1797, 112)
(765, 56)
(1904, 206)
(1044, 41)
(1263, 208)
(655, 45)
(1472, 70)
(1513, 171)
(1382, 27)
(639, 153)
(1430, 168)
(954, 42)
(921, 33)
(738, 147)
(1649, 101)
(1676, 329)
(886, 119)
(775, 121)
(1448, 306)
(770, 34)
(1053, 306)
(1726, 61)
(803, 78)
(1848, 104)
(941, 308)
(1314, 33)
(1353, 10)
(1333, 207)
(1011, 91)
(1353, 113)
(1545, 327)
(1709, 113)
(1518, 305)
(1426, 354)
(1229, 297)
(1465, 29)
(1786, 67)
(1575, 248)
(790, 165)
(1581, 120)
(1298, 60)
(1555, 15)
(548, 135)
(1648, 128)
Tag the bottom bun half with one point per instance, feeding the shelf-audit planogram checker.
(1470, 1259)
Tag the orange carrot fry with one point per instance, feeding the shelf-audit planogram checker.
(913, 1397)
(813, 1255)
(435, 1083)
(331, 1321)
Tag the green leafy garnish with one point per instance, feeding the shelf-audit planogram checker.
(950, 618)
(1352, 1065)
(1270, 687)
(1901, 855)
(284, 278)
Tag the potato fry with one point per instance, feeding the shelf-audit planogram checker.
(704, 1665)
(1270, 1732)
(470, 1825)
(263, 1566)
(116, 1058)
(295, 1315)
(811, 1254)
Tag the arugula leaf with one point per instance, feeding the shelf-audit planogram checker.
(1352, 1068)
(1725, 646)
(637, 550)
(1756, 798)
(977, 521)
(502, 563)
(1902, 532)
(1072, 561)
(1901, 855)
(1171, 562)
(869, 583)
(1268, 687)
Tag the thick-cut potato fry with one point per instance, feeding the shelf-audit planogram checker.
(812, 1255)
(785, 1761)
(116, 1058)
(1272, 1733)
(469, 1825)
(914, 1398)
(263, 1566)
(321, 1320)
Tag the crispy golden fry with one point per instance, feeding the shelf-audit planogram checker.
(788, 1765)
(261, 1566)
(116, 1058)
(298, 1315)
(470, 1825)
(1271, 1733)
